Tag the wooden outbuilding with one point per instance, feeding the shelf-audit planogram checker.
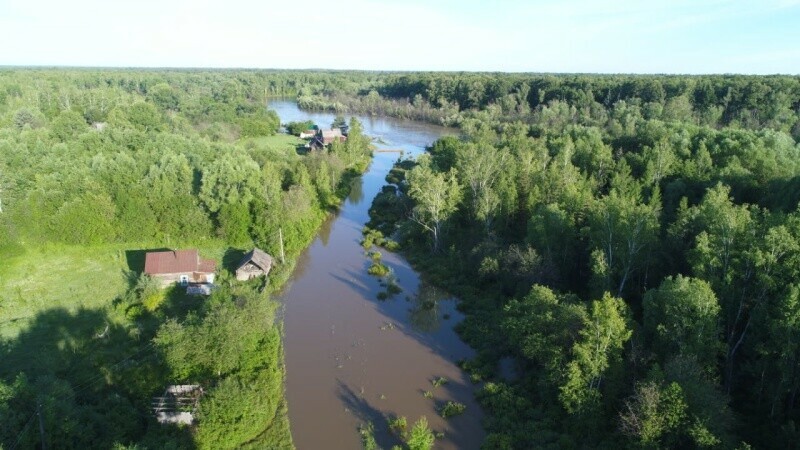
(254, 264)
(308, 134)
(177, 404)
(179, 266)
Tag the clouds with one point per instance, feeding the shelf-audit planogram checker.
(506, 35)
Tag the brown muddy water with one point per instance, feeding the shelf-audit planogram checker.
(351, 358)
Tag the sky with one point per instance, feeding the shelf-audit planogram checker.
(585, 36)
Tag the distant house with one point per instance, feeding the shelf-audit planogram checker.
(179, 266)
(324, 138)
(308, 134)
(328, 136)
(254, 264)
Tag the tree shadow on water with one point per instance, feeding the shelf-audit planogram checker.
(366, 413)
(91, 379)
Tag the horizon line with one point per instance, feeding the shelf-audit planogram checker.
(322, 69)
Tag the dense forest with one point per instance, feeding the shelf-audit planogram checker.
(630, 243)
(98, 166)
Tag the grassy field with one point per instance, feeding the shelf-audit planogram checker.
(56, 301)
(278, 141)
(34, 279)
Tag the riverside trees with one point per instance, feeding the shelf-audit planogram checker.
(661, 202)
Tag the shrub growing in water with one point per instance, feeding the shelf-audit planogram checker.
(451, 409)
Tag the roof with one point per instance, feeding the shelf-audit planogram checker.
(176, 261)
(330, 134)
(259, 257)
(316, 143)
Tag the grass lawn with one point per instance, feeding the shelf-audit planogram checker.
(34, 279)
(279, 142)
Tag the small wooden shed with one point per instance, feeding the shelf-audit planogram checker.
(254, 264)
(177, 404)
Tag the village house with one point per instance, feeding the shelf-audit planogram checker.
(254, 264)
(324, 138)
(179, 266)
(328, 136)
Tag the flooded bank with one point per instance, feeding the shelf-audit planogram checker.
(351, 358)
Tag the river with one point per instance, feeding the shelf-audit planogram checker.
(351, 358)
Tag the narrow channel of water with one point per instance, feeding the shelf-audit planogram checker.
(351, 358)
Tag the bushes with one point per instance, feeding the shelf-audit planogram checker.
(295, 128)
(451, 409)
(228, 339)
(240, 410)
(88, 219)
(378, 269)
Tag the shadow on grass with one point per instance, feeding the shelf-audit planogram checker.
(135, 258)
(92, 380)
(232, 258)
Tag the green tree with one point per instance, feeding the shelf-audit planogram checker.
(436, 196)
(234, 223)
(420, 437)
(682, 316)
(624, 227)
(479, 169)
(654, 415)
(542, 327)
(295, 128)
(87, 219)
(232, 178)
(605, 332)
(67, 125)
(145, 117)
(357, 142)
(164, 96)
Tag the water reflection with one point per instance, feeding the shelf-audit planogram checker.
(426, 314)
(356, 191)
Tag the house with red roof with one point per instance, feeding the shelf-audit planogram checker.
(179, 266)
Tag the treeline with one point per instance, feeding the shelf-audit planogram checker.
(153, 159)
(714, 100)
(638, 263)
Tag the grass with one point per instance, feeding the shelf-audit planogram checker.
(35, 278)
(278, 141)
(280, 145)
